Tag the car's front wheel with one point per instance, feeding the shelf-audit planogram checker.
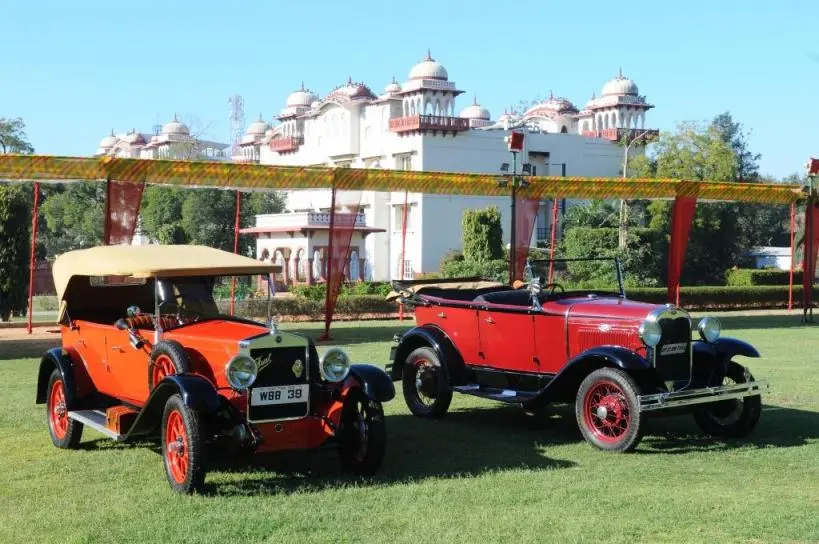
(65, 432)
(183, 448)
(362, 434)
(607, 410)
(731, 418)
(426, 390)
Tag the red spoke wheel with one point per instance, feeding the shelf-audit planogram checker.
(732, 418)
(426, 390)
(64, 431)
(607, 410)
(183, 449)
(167, 358)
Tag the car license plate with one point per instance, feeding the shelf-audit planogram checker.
(280, 394)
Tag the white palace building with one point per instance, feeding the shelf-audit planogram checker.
(418, 125)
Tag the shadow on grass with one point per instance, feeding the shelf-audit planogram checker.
(472, 442)
(778, 427)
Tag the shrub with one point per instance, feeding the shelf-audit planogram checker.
(286, 307)
(482, 235)
(722, 297)
(742, 277)
(497, 270)
(451, 256)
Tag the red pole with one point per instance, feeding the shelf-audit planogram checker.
(553, 240)
(33, 261)
(403, 248)
(106, 235)
(235, 250)
(793, 256)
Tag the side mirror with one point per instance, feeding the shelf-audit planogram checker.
(133, 311)
(121, 324)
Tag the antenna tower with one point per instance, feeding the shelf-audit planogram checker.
(237, 122)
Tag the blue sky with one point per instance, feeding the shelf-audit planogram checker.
(74, 70)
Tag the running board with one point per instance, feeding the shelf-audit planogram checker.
(94, 419)
(509, 396)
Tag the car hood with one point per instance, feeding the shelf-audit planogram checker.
(609, 307)
(219, 330)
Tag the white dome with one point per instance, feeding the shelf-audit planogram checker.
(302, 97)
(109, 141)
(620, 86)
(429, 68)
(175, 127)
(134, 138)
(393, 87)
(552, 106)
(257, 127)
(475, 111)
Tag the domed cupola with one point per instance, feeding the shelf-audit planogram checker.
(393, 88)
(429, 68)
(620, 86)
(301, 98)
(175, 127)
(109, 141)
(257, 128)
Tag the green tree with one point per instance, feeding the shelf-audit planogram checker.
(482, 235)
(15, 221)
(161, 213)
(13, 137)
(72, 217)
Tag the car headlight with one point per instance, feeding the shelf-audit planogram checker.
(650, 333)
(710, 329)
(241, 372)
(334, 365)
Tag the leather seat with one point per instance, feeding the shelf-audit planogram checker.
(146, 321)
(507, 297)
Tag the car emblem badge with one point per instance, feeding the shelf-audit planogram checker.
(298, 368)
(262, 362)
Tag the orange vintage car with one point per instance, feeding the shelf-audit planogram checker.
(191, 376)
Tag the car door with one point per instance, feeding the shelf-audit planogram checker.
(89, 339)
(550, 339)
(128, 367)
(507, 339)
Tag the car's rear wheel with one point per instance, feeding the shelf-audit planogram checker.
(734, 417)
(362, 434)
(65, 432)
(426, 390)
(607, 410)
(167, 358)
(183, 448)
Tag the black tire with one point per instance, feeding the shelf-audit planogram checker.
(424, 377)
(164, 352)
(607, 410)
(362, 434)
(730, 418)
(183, 448)
(65, 432)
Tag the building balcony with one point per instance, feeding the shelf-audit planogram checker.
(424, 123)
(304, 220)
(286, 144)
(617, 134)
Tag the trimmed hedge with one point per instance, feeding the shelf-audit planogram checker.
(303, 308)
(723, 298)
(765, 276)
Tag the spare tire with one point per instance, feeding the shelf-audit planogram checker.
(168, 357)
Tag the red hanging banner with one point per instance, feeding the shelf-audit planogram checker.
(122, 201)
(526, 215)
(811, 249)
(681, 217)
(344, 213)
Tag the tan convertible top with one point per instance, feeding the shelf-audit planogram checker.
(153, 261)
(464, 285)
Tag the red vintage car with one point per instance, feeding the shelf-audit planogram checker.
(618, 361)
(189, 375)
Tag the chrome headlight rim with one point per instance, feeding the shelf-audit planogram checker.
(231, 366)
(710, 329)
(327, 359)
(650, 333)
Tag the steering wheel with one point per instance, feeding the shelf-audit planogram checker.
(553, 287)
(183, 316)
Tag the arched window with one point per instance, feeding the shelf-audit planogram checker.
(564, 130)
(353, 268)
(301, 265)
(317, 268)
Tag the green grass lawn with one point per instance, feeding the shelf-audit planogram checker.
(484, 473)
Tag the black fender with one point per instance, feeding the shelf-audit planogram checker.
(711, 358)
(376, 384)
(197, 393)
(563, 387)
(433, 337)
(59, 359)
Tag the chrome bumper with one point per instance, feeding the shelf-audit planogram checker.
(675, 399)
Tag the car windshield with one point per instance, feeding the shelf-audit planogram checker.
(205, 297)
(600, 275)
